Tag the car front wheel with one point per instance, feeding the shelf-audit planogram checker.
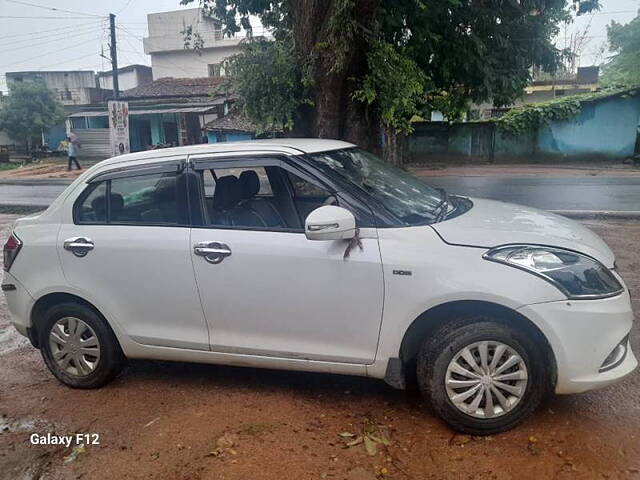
(78, 347)
(482, 377)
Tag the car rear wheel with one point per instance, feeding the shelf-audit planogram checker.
(78, 347)
(482, 377)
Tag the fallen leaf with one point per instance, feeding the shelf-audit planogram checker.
(74, 454)
(370, 446)
(355, 442)
(346, 435)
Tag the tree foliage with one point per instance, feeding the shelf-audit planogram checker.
(267, 83)
(30, 109)
(624, 40)
(367, 63)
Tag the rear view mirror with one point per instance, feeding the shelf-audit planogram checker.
(330, 223)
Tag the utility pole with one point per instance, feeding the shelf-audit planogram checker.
(114, 56)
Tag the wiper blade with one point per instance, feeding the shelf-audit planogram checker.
(443, 205)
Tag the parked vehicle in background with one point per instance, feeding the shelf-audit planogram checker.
(314, 255)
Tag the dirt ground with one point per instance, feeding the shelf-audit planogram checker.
(46, 169)
(183, 421)
(58, 169)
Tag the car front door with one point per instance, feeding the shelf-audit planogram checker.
(127, 249)
(266, 289)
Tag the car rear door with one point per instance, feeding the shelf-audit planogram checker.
(269, 291)
(131, 254)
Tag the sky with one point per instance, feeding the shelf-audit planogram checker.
(72, 37)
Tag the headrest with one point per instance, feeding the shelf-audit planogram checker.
(99, 205)
(249, 184)
(227, 193)
(166, 190)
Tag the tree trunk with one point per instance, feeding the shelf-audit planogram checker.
(393, 149)
(335, 114)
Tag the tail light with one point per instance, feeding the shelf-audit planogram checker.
(10, 250)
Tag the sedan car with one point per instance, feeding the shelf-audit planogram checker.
(308, 254)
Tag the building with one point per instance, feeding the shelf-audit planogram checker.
(129, 77)
(544, 88)
(166, 44)
(165, 112)
(233, 127)
(72, 87)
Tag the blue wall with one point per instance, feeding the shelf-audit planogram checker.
(606, 128)
(215, 137)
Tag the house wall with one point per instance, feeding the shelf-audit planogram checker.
(95, 142)
(126, 80)
(71, 88)
(604, 130)
(187, 63)
(165, 44)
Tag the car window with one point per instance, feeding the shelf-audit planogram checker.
(144, 199)
(305, 189)
(258, 198)
(141, 199)
(93, 208)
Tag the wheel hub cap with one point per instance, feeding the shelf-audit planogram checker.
(74, 346)
(486, 379)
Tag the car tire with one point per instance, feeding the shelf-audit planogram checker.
(65, 353)
(449, 348)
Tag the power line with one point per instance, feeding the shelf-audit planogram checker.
(66, 61)
(50, 38)
(125, 7)
(82, 34)
(31, 17)
(68, 27)
(53, 9)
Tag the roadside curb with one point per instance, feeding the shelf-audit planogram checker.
(21, 209)
(36, 181)
(599, 214)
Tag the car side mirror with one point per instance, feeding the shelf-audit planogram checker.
(330, 223)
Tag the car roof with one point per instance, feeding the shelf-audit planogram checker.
(286, 145)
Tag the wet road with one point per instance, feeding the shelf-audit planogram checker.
(597, 193)
(551, 193)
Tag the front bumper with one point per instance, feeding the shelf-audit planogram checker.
(582, 334)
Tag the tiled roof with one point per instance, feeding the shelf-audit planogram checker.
(174, 87)
(234, 121)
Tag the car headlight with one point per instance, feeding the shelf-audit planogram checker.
(576, 275)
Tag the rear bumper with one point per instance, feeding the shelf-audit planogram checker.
(582, 334)
(19, 302)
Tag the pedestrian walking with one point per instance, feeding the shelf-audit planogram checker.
(74, 145)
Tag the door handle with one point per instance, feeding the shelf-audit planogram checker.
(79, 246)
(213, 252)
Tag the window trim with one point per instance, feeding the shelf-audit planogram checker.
(138, 170)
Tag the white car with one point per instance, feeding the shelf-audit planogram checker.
(307, 254)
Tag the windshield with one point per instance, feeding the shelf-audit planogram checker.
(407, 197)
